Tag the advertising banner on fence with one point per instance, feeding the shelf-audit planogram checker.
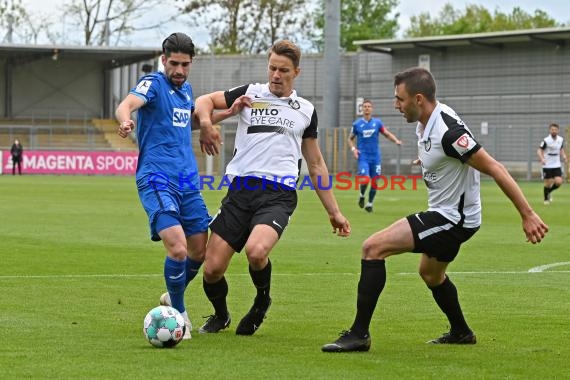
(73, 162)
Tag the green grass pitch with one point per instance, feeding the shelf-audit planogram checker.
(78, 274)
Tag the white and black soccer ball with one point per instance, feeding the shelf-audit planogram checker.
(164, 326)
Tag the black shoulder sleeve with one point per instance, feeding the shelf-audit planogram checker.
(232, 94)
(312, 131)
(459, 143)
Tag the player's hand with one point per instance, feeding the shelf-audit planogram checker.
(125, 128)
(239, 104)
(356, 153)
(417, 161)
(210, 139)
(534, 228)
(340, 225)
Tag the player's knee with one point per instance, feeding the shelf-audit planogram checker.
(197, 254)
(256, 255)
(212, 273)
(371, 250)
(431, 278)
(177, 251)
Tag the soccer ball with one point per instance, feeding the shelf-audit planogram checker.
(164, 326)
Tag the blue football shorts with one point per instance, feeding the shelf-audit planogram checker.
(370, 168)
(186, 208)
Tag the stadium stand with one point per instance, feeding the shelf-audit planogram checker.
(99, 134)
(52, 135)
(109, 129)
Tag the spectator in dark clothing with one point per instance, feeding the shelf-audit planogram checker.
(17, 152)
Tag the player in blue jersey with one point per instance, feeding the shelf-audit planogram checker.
(167, 173)
(367, 150)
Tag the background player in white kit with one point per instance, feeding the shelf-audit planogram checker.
(551, 153)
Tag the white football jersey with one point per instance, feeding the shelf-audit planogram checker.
(453, 186)
(551, 151)
(269, 134)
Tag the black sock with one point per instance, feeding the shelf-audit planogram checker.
(217, 293)
(553, 187)
(370, 285)
(445, 295)
(546, 192)
(262, 281)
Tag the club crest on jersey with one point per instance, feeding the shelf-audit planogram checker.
(143, 86)
(294, 104)
(463, 144)
(180, 117)
(427, 144)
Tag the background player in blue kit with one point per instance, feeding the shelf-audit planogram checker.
(167, 173)
(451, 161)
(367, 150)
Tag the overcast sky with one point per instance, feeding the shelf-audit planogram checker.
(557, 9)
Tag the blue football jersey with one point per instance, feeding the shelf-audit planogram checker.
(164, 131)
(366, 133)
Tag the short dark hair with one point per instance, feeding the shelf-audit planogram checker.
(288, 49)
(417, 81)
(367, 101)
(178, 43)
(554, 125)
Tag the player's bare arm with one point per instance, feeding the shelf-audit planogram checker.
(354, 150)
(390, 136)
(533, 226)
(206, 117)
(205, 106)
(130, 104)
(540, 154)
(320, 178)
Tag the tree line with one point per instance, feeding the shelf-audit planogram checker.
(247, 26)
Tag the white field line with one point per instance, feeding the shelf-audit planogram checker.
(542, 268)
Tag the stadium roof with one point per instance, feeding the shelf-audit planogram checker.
(556, 36)
(111, 56)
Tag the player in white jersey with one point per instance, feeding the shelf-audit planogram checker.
(551, 153)
(276, 128)
(451, 160)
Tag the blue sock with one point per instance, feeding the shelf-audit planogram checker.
(175, 277)
(192, 268)
(371, 195)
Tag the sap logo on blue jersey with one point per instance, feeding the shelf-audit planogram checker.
(180, 117)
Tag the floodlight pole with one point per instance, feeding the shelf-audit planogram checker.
(331, 72)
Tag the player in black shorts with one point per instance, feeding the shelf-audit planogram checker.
(275, 128)
(551, 154)
(451, 160)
